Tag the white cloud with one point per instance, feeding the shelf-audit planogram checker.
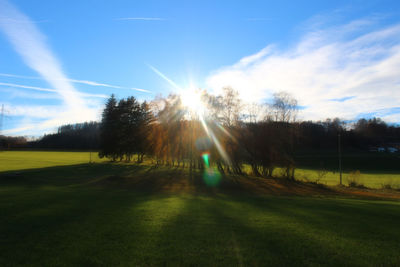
(29, 42)
(31, 45)
(46, 118)
(326, 64)
(38, 112)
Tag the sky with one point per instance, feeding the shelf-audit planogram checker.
(61, 60)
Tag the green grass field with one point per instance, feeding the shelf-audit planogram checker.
(372, 174)
(102, 214)
(371, 180)
(22, 160)
(376, 169)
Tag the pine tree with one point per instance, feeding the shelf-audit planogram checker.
(109, 130)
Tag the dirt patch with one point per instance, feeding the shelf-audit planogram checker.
(369, 193)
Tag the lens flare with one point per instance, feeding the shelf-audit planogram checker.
(218, 145)
(205, 158)
(211, 176)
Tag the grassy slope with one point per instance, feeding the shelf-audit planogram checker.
(117, 214)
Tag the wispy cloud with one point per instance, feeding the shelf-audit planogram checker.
(342, 99)
(49, 90)
(10, 20)
(259, 19)
(29, 87)
(86, 82)
(358, 59)
(14, 93)
(140, 90)
(44, 118)
(29, 43)
(37, 112)
(141, 18)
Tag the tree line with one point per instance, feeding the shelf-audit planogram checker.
(124, 130)
(230, 133)
(79, 136)
(172, 134)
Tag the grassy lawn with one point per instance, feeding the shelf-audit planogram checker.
(19, 160)
(376, 169)
(92, 215)
(372, 180)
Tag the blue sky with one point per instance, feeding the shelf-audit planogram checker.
(60, 59)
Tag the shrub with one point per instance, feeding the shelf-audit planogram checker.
(354, 179)
(390, 185)
(321, 173)
(387, 186)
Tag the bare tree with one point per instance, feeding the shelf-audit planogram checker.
(231, 107)
(284, 107)
(255, 112)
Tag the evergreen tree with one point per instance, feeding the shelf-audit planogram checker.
(109, 130)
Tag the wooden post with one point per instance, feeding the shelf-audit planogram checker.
(340, 158)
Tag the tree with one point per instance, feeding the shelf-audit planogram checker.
(109, 130)
(284, 107)
(231, 107)
(71, 136)
(146, 119)
(256, 112)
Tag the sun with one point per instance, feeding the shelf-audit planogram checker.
(191, 99)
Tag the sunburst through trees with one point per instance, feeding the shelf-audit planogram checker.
(202, 131)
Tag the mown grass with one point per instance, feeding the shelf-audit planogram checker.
(68, 216)
(377, 170)
(20, 160)
(371, 180)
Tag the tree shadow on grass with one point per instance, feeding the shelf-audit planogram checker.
(160, 179)
(230, 231)
(69, 175)
(345, 232)
(122, 218)
(78, 227)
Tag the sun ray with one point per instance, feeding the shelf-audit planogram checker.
(162, 75)
(192, 100)
(218, 145)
